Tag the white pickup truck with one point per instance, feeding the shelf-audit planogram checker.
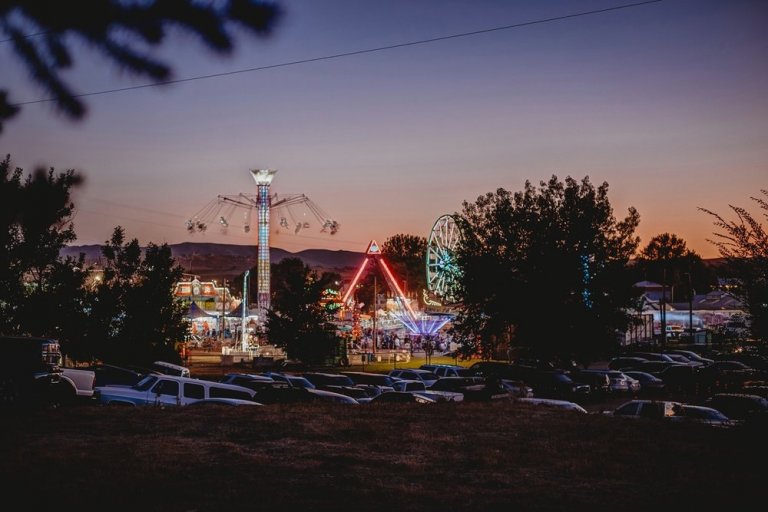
(77, 384)
(170, 390)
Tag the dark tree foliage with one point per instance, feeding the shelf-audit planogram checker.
(743, 243)
(41, 294)
(135, 318)
(42, 33)
(545, 269)
(406, 255)
(298, 321)
(373, 281)
(667, 260)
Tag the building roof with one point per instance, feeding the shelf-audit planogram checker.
(194, 311)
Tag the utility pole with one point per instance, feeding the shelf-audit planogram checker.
(375, 292)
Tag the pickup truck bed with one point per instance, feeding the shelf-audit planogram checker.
(81, 381)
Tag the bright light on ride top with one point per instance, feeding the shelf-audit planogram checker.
(263, 176)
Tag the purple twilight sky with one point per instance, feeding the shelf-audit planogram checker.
(667, 102)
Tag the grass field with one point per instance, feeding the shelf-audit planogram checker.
(492, 456)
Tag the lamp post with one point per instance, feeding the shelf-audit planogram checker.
(375, 291)
(663, 310)
(223, 313)
(690, 308)
(244, 339)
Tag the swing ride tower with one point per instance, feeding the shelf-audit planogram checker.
(222, 210)
(263, 179)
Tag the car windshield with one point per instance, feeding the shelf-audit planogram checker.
(693, 356)
(301, 382)
(145, 383)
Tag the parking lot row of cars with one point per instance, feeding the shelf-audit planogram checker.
(235, 389)
(166, 384)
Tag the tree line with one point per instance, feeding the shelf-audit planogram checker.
(548, 268)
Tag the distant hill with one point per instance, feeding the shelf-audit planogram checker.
(229, 260)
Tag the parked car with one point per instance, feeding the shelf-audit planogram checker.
(517, 388)
(751, 409)
(382, 382)
(654, 367)
(447, 370)
(598, 380)
(418, 387)
(693, 356)
(248, 380)
(546, 383)
(651, 356)
(625, 363)
(494, 368)
(109, 374)
(554, 404)
(427, 377)
(651, 409)
(293, 381)
(620, 382)
(755, 388)
(339, 384)
(726, 375)
(555, 384)
(704, 415)
(225, 402)
(169, 390)
(649, 384)
(82, 383)
(680, 377)
(680, 358)
(322, 395)
(754, 360)
(322, 380)
(170, 369)
(401, 397)
(289, 395)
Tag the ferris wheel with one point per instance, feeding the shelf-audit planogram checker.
(442, 271)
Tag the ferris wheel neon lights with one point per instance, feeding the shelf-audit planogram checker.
(442, 271)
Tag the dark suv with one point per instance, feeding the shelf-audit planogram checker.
(29, 371)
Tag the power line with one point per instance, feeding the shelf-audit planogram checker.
(352, 53)
(284, 240)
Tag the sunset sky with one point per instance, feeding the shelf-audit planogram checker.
(667, 102)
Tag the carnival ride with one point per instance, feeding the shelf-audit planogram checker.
(222, 210)
(442, 271)
(294, 213)
(417, 323)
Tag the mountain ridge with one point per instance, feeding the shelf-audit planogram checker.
(224, 261)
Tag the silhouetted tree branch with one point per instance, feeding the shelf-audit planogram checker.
(42, 32)
(743, 243)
